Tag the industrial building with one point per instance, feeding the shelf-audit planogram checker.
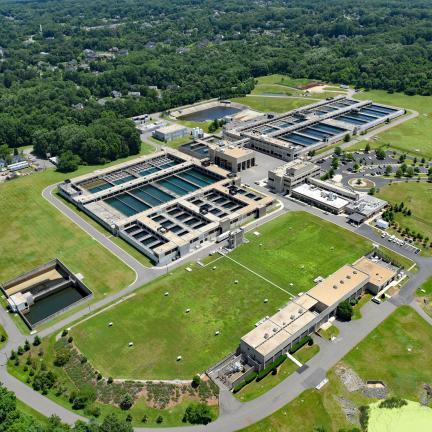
(167, 204)
(232, 156)
(285, 177)
(44, 292)
(335, 199)
(275, 335)
(293, 134)
(170, 132)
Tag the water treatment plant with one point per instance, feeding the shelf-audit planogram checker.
(166, 205)
(293, 134)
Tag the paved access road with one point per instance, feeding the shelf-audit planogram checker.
(233, 414)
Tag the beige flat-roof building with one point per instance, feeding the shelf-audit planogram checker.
(232, 158)
(170, 132)
(275, 335)
(285, 177)
(380, 275)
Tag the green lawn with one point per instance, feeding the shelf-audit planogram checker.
(397, 352)
(412, 416)
(3, 335)
(357, 308)
(28, 410)
(332, 331)
(283, 80)
(412, 135)
(424, 296)
(418, 198)
(296, 248)
(174, 143)
(272, 104)
(258, 388)
(34, 232)
(382, 355)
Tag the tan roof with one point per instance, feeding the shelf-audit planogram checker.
(339, 284)
(46, 276)
(379, 274)
(277, 329)
(235, 152)
(171, 128)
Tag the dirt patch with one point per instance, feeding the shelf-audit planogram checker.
(349, 378)
(349, 408)
(375, 389)
(310, 86)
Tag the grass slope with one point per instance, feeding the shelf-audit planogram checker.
(160, 328)
(272, 104)
(418, 198)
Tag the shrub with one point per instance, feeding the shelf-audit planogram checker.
(262, 374)
(70, 339)
(145, 418)
(86, 395)
(62, 357)
(26, 345)
(344, 311)
(93, 411)
(83, 359)
(36, 341)
(20, 350)
(99, 376)
(197, 413)
(159, 420)
(110, 380)
(126, 401)
(64, 333)
(306, 340)
(248, 380)
(196, 380)
(2, 338)
(12, 355)
(393, 402)
(129, 418)
(364, 417)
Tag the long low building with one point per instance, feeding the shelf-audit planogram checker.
(166, 204)
(336, 199)
(305, 314)
(293, 134)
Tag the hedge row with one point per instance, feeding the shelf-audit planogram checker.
(300, 343)
(270, 367)
(248, 380)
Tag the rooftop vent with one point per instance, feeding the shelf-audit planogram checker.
(348, 277)
(354, 272)
(266, 335)
(335, 286)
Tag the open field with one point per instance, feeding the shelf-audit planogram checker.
(410, 417)
(418, 198)
(283, 80)
(383, 355)
(34, 232)
(258, 388)
(391, 350)
(296, 248)
(413, 136)
(424, 296)
(272, 104)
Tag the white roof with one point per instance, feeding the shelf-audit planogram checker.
(321, 195)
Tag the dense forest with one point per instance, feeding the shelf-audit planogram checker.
(72, 71)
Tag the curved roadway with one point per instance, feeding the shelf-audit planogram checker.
(234, 415)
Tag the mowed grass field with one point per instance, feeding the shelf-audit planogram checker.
(272, 103)
(382, 355)
(418, 198)
(413, 136)
(34, 232)
(296, 248)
